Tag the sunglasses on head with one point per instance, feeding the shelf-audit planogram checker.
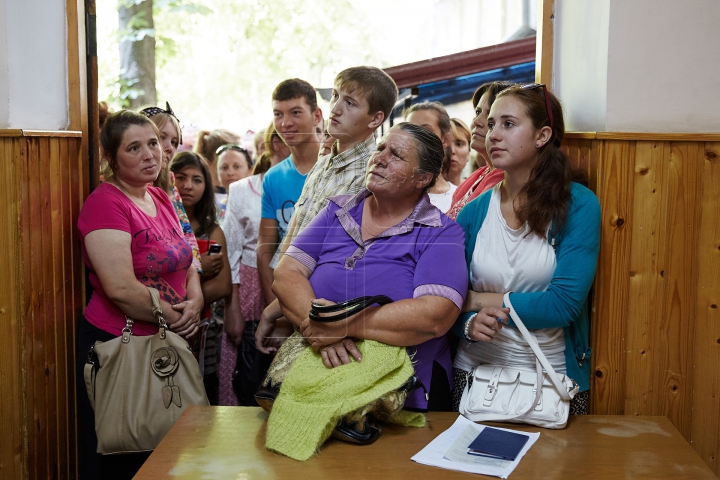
(230, 146)
(548, 104)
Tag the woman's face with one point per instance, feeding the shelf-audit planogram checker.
(429, 120)
(139, 157)
(328, 142)
(169, 139)
(479, 125)
(282, 151)
(259, 147)
(512, 138)
(232, 166)
(392, 168)
(190, 183)
(460, 149)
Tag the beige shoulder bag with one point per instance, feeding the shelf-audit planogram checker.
(139, 386)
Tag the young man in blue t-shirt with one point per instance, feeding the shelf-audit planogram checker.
(296, 117)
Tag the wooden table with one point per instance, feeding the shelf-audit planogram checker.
(229, 443)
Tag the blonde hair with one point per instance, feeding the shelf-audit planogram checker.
(160, 120)
(262, 164)
(459, 129)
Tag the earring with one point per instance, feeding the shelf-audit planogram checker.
(537, 145)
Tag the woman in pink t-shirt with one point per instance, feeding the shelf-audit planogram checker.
(131, 240)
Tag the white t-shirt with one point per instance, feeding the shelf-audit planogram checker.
(443, 201)
(507, 260)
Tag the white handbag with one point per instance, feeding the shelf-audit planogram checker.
(504, 394)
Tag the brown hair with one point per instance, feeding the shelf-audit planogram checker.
(443, 118)
(374, 84)
(103, 112)
(492, 89)
(295, 88)
(209, 141)
(111, 136)
(546, 195)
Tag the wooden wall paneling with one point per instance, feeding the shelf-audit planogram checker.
(705, 432)
(646, 288)
(585, 155)
(13, 455)
(74, 292)
(38, 176)
(544, 43)
(31, 251)
(682, 230)
(40, 196)
(59, 152)
(608, 328)
(71, 276)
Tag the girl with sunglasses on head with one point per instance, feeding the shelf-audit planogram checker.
(535, 234)
(193, 181)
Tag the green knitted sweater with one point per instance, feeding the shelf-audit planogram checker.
(313, 398)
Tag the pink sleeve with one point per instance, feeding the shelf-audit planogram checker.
(103, 209)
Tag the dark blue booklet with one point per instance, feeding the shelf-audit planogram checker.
(495, 443)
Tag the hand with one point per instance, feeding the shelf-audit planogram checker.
(187, 325)
(486, 323)
(235, 334)
(211, 264)
(273, 329)
(321, 334)
(336, 354)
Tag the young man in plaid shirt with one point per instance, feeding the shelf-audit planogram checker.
(362, 98)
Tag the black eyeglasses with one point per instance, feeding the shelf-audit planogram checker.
(230, 146)
(548, 104)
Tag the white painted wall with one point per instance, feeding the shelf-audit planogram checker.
(664, 66)
(33, 59)
(638, 65)
(580, 62)
(4, 80)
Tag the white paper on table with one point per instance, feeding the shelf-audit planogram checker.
(449, 443)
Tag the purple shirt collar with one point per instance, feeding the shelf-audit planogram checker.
(424, 213)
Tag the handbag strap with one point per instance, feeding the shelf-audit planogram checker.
(530, 338)
(345, 309)
(156, 310)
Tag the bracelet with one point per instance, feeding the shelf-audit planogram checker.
(467, 327)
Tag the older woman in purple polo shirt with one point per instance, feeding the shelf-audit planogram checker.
(386, 240)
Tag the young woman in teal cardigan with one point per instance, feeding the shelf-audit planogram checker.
(536, 234)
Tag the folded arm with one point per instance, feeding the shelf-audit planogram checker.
(117, 277)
